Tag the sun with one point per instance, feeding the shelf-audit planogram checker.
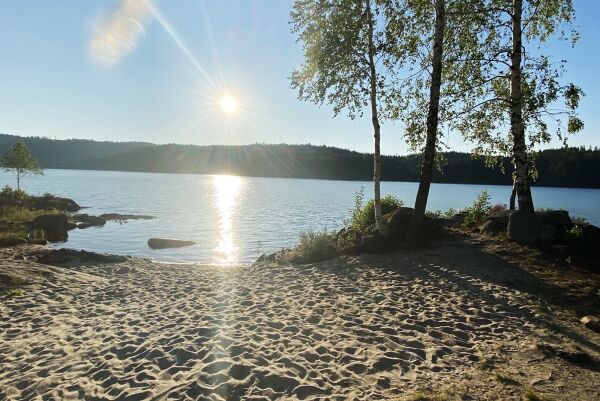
(228, 104)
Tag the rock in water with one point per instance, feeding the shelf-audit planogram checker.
(162, 243)
(523, 228)
(52, 227)
(85, 220)
(124, 217)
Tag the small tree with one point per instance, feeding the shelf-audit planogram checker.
(19, 160)
(348, 64)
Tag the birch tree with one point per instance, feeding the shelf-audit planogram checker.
(348, 65)
(435, 35)
(513, 85)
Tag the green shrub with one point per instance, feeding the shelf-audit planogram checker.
(576, 231)
(313, 247)
(440, 214)
(12, 196)
(450, 213)
(479, 210)
(364, 216)
(18, 215)
(435, 214)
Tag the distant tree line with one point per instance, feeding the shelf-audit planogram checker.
(567, 167)
(59, 153)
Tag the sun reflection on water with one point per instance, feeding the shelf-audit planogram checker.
(227, 194)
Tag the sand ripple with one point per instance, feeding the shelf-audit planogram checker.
(358, 328)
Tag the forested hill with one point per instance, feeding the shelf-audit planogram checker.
(572, 167)
(60, 153)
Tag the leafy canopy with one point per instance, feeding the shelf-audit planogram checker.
(483, 81)
(335, 38)
(19, 160)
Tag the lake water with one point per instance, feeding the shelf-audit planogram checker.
(234, 219)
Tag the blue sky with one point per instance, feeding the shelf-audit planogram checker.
(50, 85)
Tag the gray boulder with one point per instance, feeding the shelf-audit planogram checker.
(591, 235)
(52, 227)
(523, 228)
(494, 225)
(559, 250)
(163, 243)
(374, 243)
(66, 256)
(548, 234)
(559, 219)
(397, 234)
(398, 225)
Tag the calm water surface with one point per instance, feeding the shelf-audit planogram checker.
(234, 219)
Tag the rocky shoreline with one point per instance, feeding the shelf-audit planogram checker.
(552, 232)
(54, 227)
(56, 216)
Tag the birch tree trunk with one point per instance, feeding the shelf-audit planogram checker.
(519, 149)
(432, 114)
(375, 120)
(513, 197)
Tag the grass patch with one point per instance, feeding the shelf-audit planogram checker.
(313, 247)
(15, 214)
(505, 379)
(15, 292)
(12, 222)
(8, 233)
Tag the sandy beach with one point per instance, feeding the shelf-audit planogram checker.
(450, 321)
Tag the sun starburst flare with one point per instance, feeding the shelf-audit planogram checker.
(228, 104)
